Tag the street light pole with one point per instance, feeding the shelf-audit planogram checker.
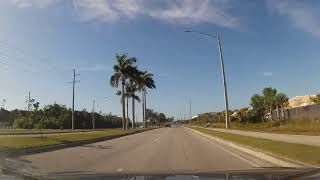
(222, 72)
(224, 84)
(190, 112)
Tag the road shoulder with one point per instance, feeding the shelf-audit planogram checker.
(257, 153)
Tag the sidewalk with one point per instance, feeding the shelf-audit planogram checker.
(298, 139)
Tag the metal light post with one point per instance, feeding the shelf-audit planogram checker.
(223, 75)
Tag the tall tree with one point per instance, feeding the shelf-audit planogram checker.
(145, 81)
(270, 97)
(122, 71)
(132, 88)
(257, 103)
(282, 100)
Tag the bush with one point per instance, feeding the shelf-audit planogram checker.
(23, 123)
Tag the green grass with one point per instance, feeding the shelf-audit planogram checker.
(18, 143)
(299, 152)
(36, 131)
(302, 127)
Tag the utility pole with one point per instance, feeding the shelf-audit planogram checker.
(93, 125)
(73, 86)
(190, 111)
(224, 84)
(29, 100)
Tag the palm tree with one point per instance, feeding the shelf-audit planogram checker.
(270, 95)
(122, 71)
(131, 88)
(282, 100)
(144, 81)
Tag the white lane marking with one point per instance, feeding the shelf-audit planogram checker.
(119, 170)
(157, 139)
(224, 149)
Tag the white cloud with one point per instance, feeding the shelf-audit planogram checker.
(302, 15)
(267, 73)
(172, 11)
(193, 12)
(33, 3)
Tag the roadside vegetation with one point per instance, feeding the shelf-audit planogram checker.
(54, 116)
(294, 126)
(19, 143)
(299, 152)
(258, 116)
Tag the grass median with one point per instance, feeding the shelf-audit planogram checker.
(38, 131)
(19, 143)
(303, 153)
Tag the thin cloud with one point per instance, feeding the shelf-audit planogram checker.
(178, 11)
(193, 12)
(267, 73)
(33, 3)
(302, 15)
(95, 68)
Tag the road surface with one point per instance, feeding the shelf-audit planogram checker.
(162, 150)
(290, 138)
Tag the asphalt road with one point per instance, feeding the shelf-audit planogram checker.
(165, 150)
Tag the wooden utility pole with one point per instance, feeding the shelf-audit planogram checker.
(73, 86)
(93, 123)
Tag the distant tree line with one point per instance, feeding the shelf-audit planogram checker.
(56, 116)
(157, 119)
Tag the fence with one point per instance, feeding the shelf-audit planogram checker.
(303, 112)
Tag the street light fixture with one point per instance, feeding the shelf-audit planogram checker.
(222, 72)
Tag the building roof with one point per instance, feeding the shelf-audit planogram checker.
(298, 101)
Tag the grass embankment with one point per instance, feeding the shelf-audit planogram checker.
(302, 127)
(299, 152)
(18, 143)
(38, 131)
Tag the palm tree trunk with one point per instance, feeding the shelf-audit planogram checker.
(133, 114)
(270, 111)
(145, 107)
(127, 119)
(123, 108)
(143, 118)
(282, 112)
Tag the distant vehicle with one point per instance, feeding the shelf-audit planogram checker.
(208, 125)
(167, 125)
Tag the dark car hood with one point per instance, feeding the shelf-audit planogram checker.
(260, 173)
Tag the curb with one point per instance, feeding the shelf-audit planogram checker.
(47, 148)
(271, 158)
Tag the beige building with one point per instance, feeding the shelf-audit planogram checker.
(298, 101)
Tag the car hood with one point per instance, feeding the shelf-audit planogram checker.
(259, 173)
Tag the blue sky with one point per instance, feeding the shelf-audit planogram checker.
(265, 43)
